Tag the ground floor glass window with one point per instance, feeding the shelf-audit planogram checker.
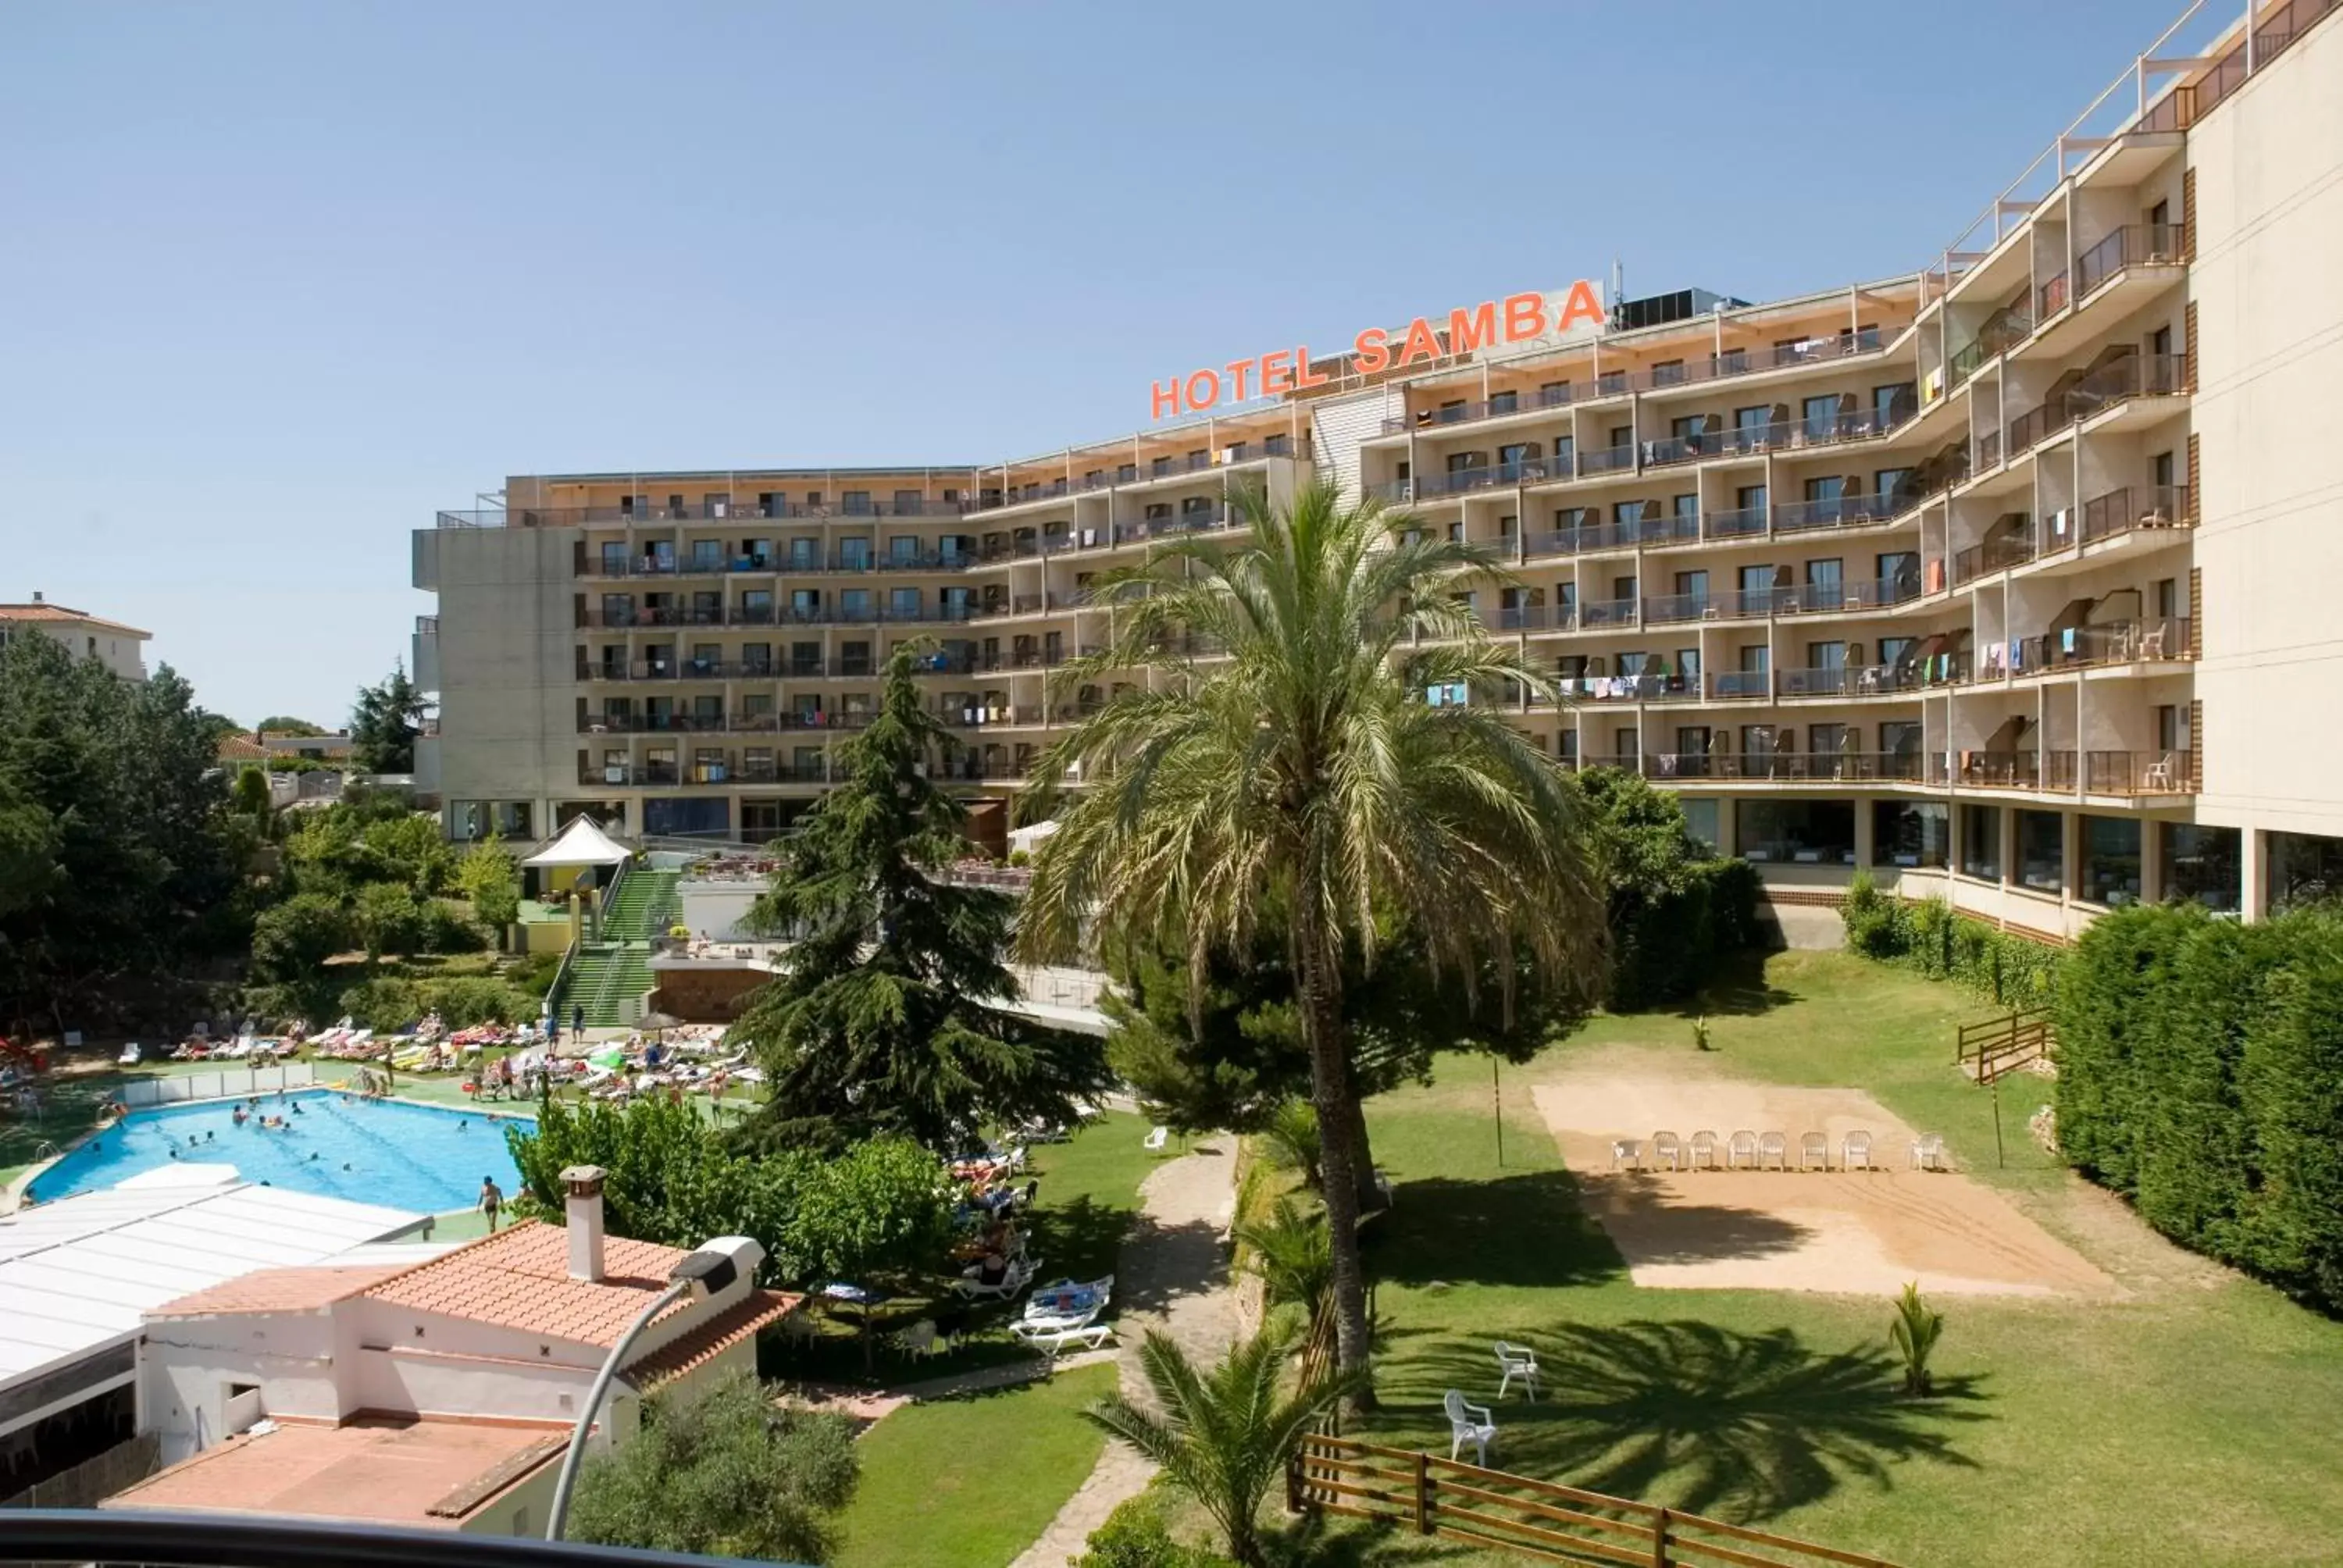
(1800, 832)
(1907, 833)
(2111, 860)
(2042, 850)
(1981, 842)
(2304, 868)
(2203, 863)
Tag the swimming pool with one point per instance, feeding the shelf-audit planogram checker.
(384, 1152)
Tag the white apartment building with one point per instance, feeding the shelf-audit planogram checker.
(121, 648)
(2006, 577)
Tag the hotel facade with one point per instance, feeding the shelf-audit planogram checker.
(2014, 578)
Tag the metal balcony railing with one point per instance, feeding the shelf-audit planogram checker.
(2132, 244)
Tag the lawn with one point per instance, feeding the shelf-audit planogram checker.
(969, 1482)
(2193, 1422)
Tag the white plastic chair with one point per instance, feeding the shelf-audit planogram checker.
(1516, 1361)
(1626, 1151)
(1157, 1140)
(1814, 1152)
(1855, 1151)
(921, 1340)
(1667, 1149)
(1743, 1147)
(1470, 1423)
(1775, 1147)
(1928, 1151)
(1703, 1150)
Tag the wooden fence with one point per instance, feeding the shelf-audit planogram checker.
(1494, 1510)
(1986, 1050)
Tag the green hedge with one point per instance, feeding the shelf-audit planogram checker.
(394, 1001)
(1930, 937)
(2200, 1074)
(1666, 946)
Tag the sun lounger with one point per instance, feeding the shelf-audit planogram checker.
(1049, 1341)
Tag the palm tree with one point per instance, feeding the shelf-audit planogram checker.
(1290, 1141)
(1222, 1436)
(1292, 1255)
(1296, 758)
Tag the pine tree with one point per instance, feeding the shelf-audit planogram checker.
(886, 1016)
(385, 723)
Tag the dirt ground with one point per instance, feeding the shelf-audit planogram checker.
(1862, 1233)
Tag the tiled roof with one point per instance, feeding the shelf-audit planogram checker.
(519, 1279)
(59, 613)
(276, 1290)
(713, 1338)
(242, 748)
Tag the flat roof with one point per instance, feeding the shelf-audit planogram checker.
(393, 1470)
(78, 1274)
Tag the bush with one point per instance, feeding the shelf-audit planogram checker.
(534, 973)
(446, 931)
(1674, 910)
(1932, 939)
(1020, 859)
(1136, 1535)
(2200, 1074)
(394, 1001)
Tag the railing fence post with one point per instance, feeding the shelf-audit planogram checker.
(1660, 1539)
(1422, 1494)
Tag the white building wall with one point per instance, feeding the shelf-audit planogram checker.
(506, 645)
(1338, 424)
(2269, 288)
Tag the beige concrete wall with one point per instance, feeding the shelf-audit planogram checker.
(2269, 288)
(505, 720)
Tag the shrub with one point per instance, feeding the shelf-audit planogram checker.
(394, 1001)
(534, 973)
(1914, 1331)
(1674, 909)
(1935, 940)
(445, 929)
(1136, 1535)
(2200, 1074)
(1020, 859)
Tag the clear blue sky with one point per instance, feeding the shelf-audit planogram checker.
(278, 281)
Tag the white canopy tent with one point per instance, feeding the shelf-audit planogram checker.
(582, 843)
(1029, 839)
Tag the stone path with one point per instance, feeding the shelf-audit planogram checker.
(1172, 1277)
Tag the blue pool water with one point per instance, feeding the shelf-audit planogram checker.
(413, 1157)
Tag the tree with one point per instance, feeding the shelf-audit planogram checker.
(388, 920)
(1306, 776)
(883, 1208)
(490, 878)
(726, 1472)
(123, 869)
(1222, 1436)
(1291, 1141)
(886, 1017)
(1674, 908)
(278, 724)
(385, 723)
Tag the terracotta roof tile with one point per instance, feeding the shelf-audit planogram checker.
(57, 612)
(277, 1291)
(711, 1338)
(519, 1279)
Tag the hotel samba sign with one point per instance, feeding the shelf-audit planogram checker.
(1515, 319)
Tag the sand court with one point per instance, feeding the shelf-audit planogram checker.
(1858, 1232)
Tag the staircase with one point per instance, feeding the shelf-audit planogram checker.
(608, 978)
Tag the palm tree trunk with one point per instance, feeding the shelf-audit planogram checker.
(1363, 1159)
(1330, 1095)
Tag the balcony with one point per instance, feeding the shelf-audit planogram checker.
(1664, 609)
(1994, 555)
(1606, 459)
(1995, 769)
(1740, 685)
(2159, 639)
(1197, 520)
(1846, 680)
(1532, 618)
(2133, 244)
(2141, 773)
(1606, 612)
(1601, 688)
(2120, 380)
(1737, 523)
(1838, 512)
(1786, 766)
(2125, 510)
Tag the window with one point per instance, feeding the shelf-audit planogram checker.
(1687, 514)
(1754, 421)
(2167, 596)
(1892, 404)
(2304, 868)
(2159, 470)
(1750, 499)
(2042, 850)
(1831, 488)
(2111, 863)
(1821, 418)
(1825, 741)
(854, 554)
(614, 557)
(903, 549)
(1504, 402)
(1668, 373)
(1888, 485)
(2202, 863)
(1703, 819)
(1981, 842)
(1900, 575)
(1826, 656)
(1514, 454)
(1910, 833)
(1801, 832)
(903, 604)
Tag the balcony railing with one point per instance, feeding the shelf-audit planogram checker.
(2118, 381)
(1608, 612)
(2140, 773)
(1607, 460)
(1846, 680)
(1994, 555)
(1842, 511)
(2155, 640)
(2133, 244)
(1665, 608)
(2124, 511)
(1992, 769)
(1740, 685)
(1738, 521)
(1628, 689)
(1787, 767)
(1170, 527)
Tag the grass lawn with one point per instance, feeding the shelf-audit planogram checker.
(2192, 1422)
(969, 1482)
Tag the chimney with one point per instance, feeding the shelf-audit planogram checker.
(36, 596)
(584, 1185)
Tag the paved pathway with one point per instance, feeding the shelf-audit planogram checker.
(1173, 1275)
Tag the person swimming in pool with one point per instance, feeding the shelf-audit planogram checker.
(297, 1108)
(238, 1116)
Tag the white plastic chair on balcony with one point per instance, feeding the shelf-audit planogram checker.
(2162, 774)
(1774, 1147)
(1814, 1151)
(1928, 1152)
(1740, 1150)
(1470, 1423)
(1516, 1361)
(1855, 1151)
(1703, 1150)
(1667, 1150)
(1157, 1139)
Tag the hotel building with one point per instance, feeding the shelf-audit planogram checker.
(2012, 577)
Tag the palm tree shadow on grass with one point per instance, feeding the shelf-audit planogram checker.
(1739, 990)
(1525, 1229)
(1744, 1427)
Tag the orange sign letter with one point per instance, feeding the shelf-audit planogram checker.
(1200, 401)
(1524, 315)
(1421, 344)
(1581, 304)
(1369, 345)
(1302, 379)
(1276, 373)
(1239, 376)
(1475, 329)
(1167, 395)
